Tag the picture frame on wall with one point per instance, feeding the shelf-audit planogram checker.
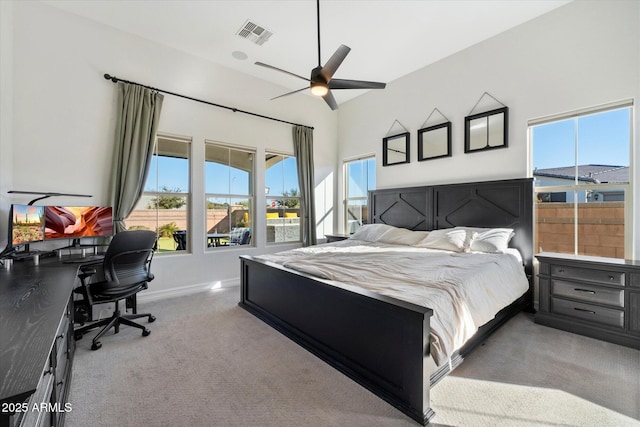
(487, 130)
(395, 149)
(434, 142)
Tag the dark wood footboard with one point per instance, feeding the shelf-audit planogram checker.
(380, 342)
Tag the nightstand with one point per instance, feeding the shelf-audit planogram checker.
(593, 296)
(336, 237)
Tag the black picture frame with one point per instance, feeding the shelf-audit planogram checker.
(434, 142)
(486, 131)
(395, 149)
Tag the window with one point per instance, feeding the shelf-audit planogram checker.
(164, 205)
(229, 195)
(581, 167)
(283, 198)
(360, 177)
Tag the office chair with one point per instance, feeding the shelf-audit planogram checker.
(125, 271)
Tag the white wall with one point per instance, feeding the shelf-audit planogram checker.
(62, 123)
(580, 55)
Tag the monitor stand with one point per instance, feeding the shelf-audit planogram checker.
(85, 250)
(27, 253)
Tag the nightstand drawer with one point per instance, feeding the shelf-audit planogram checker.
(592, 313)
(588, 293)
(592, 275)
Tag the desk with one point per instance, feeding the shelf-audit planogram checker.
(36, 326)
(213, 239)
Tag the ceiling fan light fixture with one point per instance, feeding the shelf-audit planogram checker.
(319, 89)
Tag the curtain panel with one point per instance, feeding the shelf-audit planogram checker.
(138, 110)
(303, 150)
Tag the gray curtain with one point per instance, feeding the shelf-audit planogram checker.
(138, 112)
(303, 150)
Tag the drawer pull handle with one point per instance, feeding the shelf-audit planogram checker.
(611, 278)
(561, 270)
(586, 311)
(585, 290)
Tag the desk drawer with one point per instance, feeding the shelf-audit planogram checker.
(38, 418)
(592, 313)
(591, 275)
(62, 349)
(588, 293)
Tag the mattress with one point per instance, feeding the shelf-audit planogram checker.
(465, 290)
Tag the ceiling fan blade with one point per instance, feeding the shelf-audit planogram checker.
(290, 93)
(334, 62)
(281, 70)
(330, 100)
(355, 84)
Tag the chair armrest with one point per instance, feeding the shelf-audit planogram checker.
(86, 271)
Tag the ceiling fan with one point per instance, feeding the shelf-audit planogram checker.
(321, 80)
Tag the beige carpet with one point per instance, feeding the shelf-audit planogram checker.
(208, 362)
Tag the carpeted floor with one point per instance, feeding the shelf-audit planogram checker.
(208, 362)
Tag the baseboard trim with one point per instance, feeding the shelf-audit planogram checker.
(154, 295)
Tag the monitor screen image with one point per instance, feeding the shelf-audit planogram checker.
(72, 222)
(27, 224)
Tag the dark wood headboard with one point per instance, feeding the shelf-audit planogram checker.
(506, 203)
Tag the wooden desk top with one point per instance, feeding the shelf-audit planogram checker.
(32, 303)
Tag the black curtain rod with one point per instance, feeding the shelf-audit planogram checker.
(235, 110)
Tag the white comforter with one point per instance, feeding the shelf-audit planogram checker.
(464, 290)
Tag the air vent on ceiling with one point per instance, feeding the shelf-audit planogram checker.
(254, 32)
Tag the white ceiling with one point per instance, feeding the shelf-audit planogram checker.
(388, 39)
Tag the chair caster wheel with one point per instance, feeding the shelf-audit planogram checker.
(96, 346)
(152, 318)
(146, 332)
(77, 336)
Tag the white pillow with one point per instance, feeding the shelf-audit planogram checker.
(402, 236)
(449, 239)
(491, 240)
(370, 232)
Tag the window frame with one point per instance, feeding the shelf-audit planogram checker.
(187, 195)
(345, 173)
(230, 196)
(268, 152)
(628, 188)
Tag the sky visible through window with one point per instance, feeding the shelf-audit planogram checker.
(603, 139)
(219, 179)
(362, 177)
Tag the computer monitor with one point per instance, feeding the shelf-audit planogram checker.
(74, 222)
(26, 224)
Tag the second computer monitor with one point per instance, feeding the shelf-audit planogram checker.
(74, 222)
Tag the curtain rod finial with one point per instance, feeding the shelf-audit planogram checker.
(109, 77)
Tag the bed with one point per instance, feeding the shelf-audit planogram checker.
(381, 341)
